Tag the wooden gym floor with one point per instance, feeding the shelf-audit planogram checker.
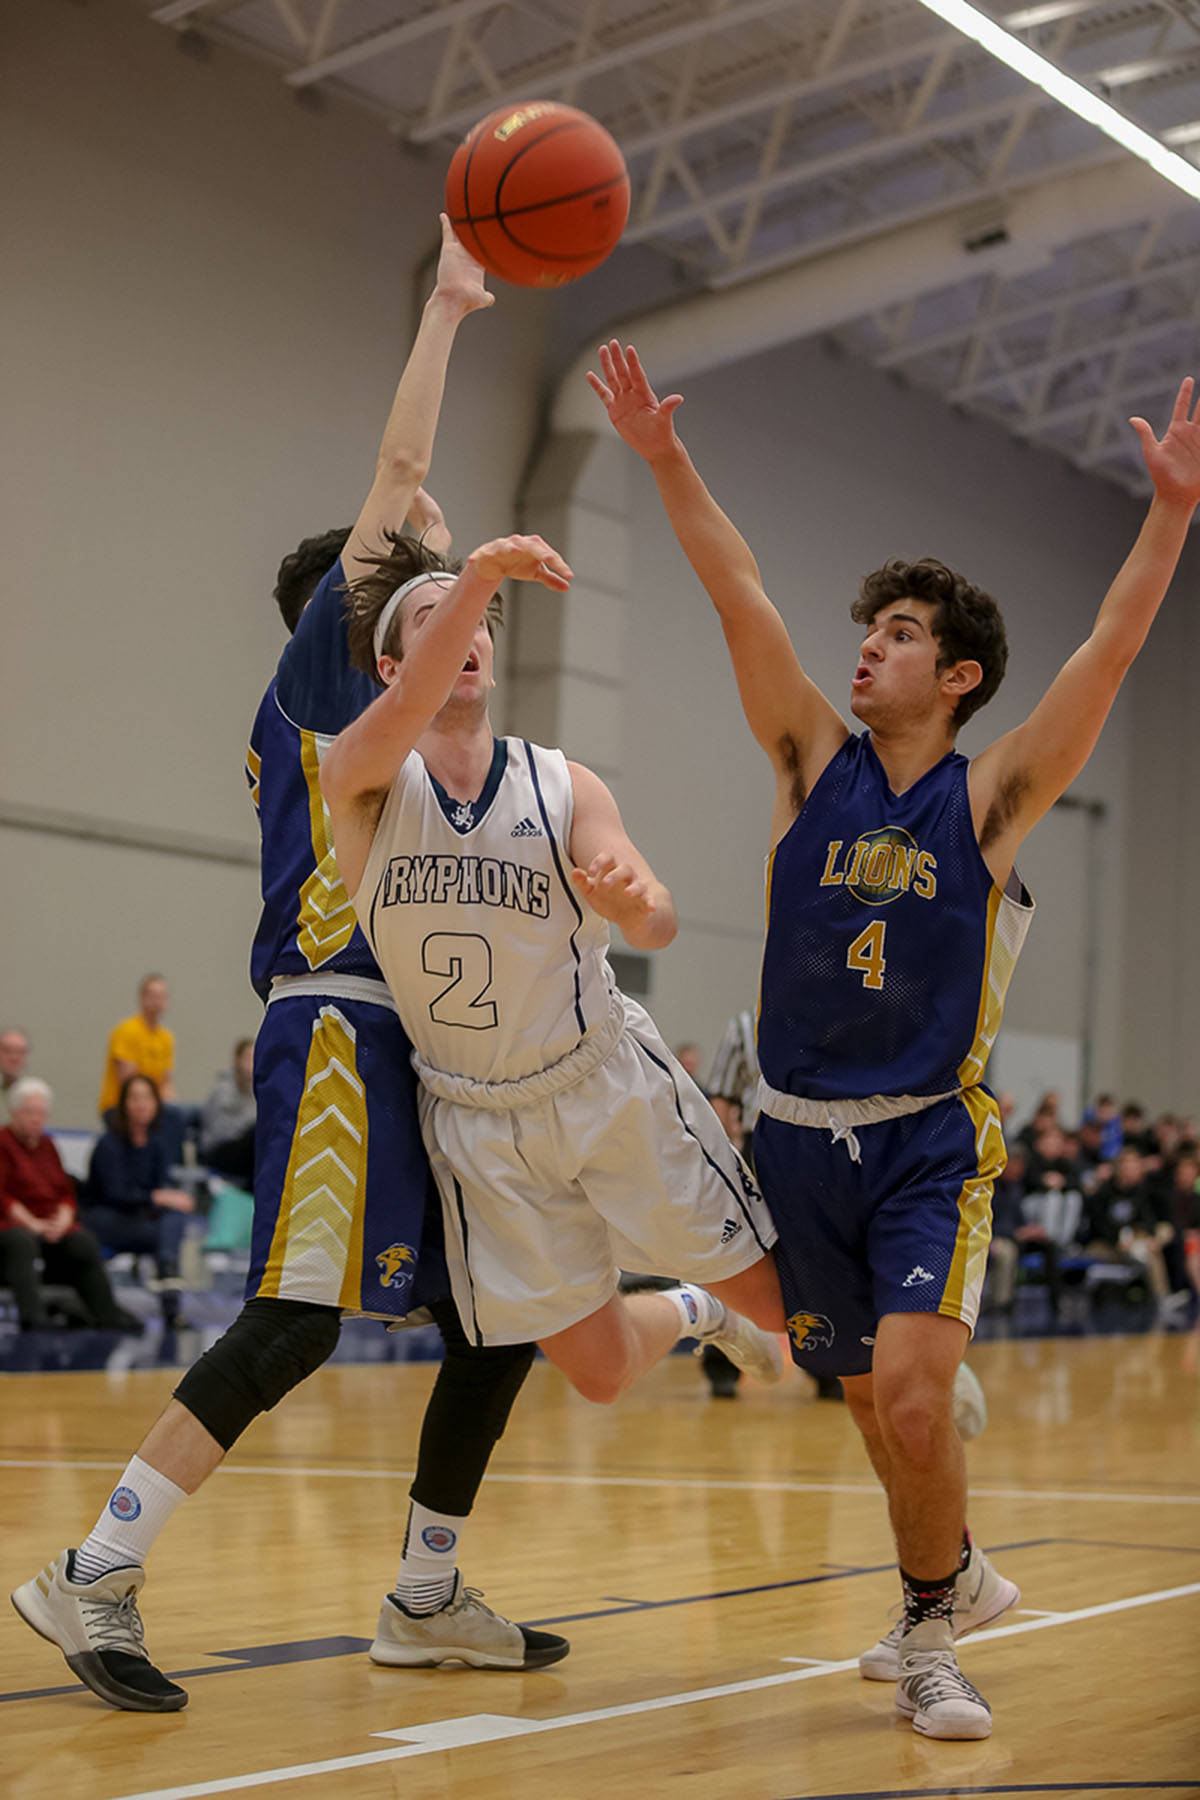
(717, 1565)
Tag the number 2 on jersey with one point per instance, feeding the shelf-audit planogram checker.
(865, 955)
(467, 959)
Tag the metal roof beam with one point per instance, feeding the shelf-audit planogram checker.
(441, 18)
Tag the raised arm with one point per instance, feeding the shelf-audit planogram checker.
(1019, 777)
(611, 873)
(786, 711)
(407, 444)
(361, 765)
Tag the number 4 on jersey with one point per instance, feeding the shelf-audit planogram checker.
(865, 955)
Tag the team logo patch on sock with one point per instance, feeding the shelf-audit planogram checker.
(689, 1306)
(808, 1329)
(125, 1505)
(439, 1538)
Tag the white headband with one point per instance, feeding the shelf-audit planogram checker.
(385, 618)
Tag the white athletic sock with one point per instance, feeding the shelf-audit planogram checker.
(138, 1508)
(430, 1560)
(700, 1313)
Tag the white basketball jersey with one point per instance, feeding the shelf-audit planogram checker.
(497, 966)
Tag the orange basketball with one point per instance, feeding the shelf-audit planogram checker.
(538, 193)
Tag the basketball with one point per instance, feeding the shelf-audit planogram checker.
(538, 194)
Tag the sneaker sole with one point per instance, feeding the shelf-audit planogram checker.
(881, 1668)
(952, 1730)
(390, 1656)
(87, 1666)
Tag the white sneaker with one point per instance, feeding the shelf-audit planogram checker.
(981, 1596)
(752, 1349)
(969, 1403)
(97, 1627)
(933, 1691)
(464, 1630)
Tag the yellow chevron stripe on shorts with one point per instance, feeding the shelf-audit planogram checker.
(316, 1250)
(326, 922)
(960, 1299)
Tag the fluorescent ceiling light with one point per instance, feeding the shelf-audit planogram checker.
(1067, 91)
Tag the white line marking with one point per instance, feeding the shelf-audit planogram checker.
(669, 1483)
(485, 1728)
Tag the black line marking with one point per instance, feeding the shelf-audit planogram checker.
(270, 1655)
(1041, 1787)
(568, 889)
(739, 1197)
(466, 1246)
(533, 206)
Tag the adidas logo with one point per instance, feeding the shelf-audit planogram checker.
(526, 828)
(732, 1227)
(916, 1277)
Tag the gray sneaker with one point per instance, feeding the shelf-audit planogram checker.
(464, 1630)
(981, 1596)
(752, 1349)
(97, 1627)
(933, 1691)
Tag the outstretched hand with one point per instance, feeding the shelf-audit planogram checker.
(1174, 460)
(521, 559)
(459, 276)
(641, 418)
(613, 890)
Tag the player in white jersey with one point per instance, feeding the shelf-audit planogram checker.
(566, 1139)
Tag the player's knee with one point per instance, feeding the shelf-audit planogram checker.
(914, 1420)
(270, 1348)
(601, 1385)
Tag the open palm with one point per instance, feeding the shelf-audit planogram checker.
(1174, 460)
(640, 417)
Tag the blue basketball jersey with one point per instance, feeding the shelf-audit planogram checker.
(889, 947)
(308, 924)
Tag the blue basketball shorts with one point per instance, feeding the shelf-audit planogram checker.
(342, 1190)
(905, 1229)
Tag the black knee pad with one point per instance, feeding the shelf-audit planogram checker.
(269, 1349)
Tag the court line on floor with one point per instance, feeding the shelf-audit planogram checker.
(670, 1483)
(261, 1656)
(439, 1735)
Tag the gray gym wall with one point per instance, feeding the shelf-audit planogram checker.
(207, 305)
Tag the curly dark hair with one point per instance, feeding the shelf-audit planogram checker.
(404, 558)
(300, 572)
(967, 625)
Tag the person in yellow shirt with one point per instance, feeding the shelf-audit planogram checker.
(141, 1045)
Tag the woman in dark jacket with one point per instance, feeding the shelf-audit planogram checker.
(129, 1203)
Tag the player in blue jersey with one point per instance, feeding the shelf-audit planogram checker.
(894, 917)
(340, 1173)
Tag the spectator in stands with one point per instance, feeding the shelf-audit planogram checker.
(1175, 1198)
(14, 1055)
(141, 1045)
(130, 1205)
(1122, 1226)
(1106, 1116)
(229, 1112)
(39, 1222)
(1045, 1115)
(1095, 1160)
(1133, 1128)
(690, 1056)
(1046, 1208)
(1008, 1217)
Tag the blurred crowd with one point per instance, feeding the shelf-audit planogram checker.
(152, 1166)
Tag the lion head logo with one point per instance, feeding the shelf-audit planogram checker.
(397, 1265)
(808, 1329)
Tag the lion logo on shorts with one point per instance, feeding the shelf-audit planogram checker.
(397, 1265)
(808, 1329)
